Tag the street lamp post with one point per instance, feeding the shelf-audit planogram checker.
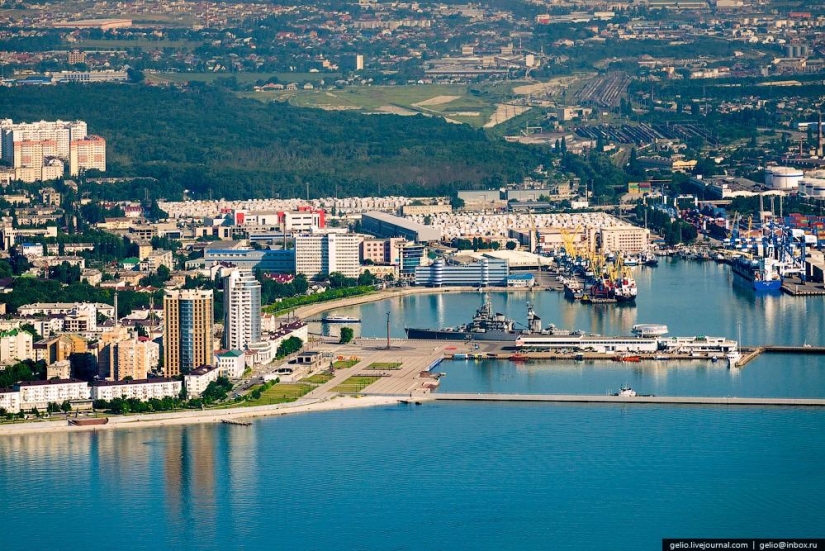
(388, 330)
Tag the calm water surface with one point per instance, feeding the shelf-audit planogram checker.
(690, 298)
(468, 476)
(429, 477)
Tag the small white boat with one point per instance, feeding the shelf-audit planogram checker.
(340, 319)
(733, 358)
(625, 392)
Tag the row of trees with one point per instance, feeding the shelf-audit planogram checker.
(673, 230)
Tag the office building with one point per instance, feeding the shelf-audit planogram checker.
(324, 254)
(627, 239)
(231, 363)
(187, 330)
(242, 310)
(238, 255)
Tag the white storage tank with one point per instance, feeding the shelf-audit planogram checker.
(783, 177)
(819, 190)
(808, 185)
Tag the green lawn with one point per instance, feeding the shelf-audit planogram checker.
(279, 394)
(453, 99)
(318, 378)
(344, 364)
(384, 365)
(355, 384)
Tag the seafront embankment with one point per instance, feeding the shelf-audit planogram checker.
(196, 417)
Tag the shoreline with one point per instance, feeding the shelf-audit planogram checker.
(314, 309)
(196, 417)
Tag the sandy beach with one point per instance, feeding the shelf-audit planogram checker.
(196, 417)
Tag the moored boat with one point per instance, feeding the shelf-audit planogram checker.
(340, 319)
(761, 274)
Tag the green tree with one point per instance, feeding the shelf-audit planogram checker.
(346, 335)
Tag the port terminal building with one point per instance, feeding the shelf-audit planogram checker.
(486, 272)
(649, 345)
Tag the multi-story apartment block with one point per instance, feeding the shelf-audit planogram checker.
(10, 400)
(144, 389)
(15, 346)
(382, 251)
(187, 330)
(88, 153)
(135, 358)
(196, 381)
(39, 394)
(242, 310)
(325, 254)
(62, 133)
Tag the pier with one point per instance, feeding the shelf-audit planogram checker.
(597, 399)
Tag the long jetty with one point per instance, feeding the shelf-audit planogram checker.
(598, 399)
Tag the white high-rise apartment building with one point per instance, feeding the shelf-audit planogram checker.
(88, 153)
(242, 310)
(60, 132)
(325, 254)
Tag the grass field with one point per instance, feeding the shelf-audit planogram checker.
(454, 102)
(279, 394)
(384, 365)
(355, 384)
(318, 379)
(345, 364)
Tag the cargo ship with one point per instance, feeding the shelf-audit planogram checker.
(761, 273)
(486, 326)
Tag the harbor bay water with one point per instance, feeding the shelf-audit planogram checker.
(438, 476)
(691, 298)
(459, 476)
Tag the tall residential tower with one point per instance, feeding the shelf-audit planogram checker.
(242, 310)
(187, 330)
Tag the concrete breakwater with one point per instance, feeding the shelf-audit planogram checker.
(606, 399)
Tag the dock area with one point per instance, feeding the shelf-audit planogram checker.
(409, 371)
(795, 287)
(575, 398)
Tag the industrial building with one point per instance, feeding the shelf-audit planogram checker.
(381, 224)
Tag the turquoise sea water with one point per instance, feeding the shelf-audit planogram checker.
(430, 477)
(468, 476)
